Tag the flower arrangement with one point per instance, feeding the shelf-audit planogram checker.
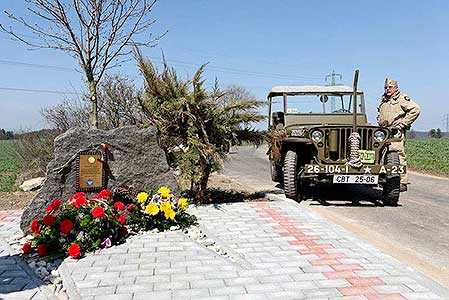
(161, 211)
(82, 225)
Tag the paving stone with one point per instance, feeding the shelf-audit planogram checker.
(96, 275)
(210, 283)
(114, 297)
(392, 289)
(151, 279)
(89, 283)
(229, 290)
(286, 295)
(223, 274)
(416, 287)
(104, 290)
(172, 285)
(275, 278)
(327, 293)
(159, 295)
(118, 281)
(134, 288)
(189, 277)
(332, 283)
(190, 293)
(298, 285)
(422, 296)
(249, 297)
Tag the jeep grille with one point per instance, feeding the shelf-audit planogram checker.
(342, 147)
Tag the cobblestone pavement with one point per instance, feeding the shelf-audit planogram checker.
(16, 281)
(277, 249)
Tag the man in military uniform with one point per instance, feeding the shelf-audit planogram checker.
(397, 110)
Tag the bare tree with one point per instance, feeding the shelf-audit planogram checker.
(118, 103)
(70, 113)
(236, 93)
(96, 33)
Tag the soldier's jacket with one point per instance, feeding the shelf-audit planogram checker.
(399, 108)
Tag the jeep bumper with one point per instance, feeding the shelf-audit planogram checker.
(368, 169)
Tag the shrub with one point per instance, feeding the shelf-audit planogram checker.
(196, 126)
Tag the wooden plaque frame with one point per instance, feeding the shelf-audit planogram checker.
(90, 172)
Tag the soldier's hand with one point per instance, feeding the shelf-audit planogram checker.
(401, 126)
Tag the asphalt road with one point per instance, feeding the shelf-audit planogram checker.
(416, 232)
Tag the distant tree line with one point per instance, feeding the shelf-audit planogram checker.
(6, 135)
(435, 133)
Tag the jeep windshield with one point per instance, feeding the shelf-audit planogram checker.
(303, 104)
(313, 105)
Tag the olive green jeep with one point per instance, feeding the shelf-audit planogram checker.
(321, 134)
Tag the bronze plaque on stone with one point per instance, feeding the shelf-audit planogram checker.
(90, 172)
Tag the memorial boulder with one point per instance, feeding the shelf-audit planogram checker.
(90, 160)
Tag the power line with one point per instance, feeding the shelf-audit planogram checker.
(184, 63)
(246, 71)
(38, 91)
(19, 63)
(236, 71)
(311, 77)
(263, 61)
(446, 122)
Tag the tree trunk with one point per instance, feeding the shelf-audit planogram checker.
(93, 112)
(204, 179)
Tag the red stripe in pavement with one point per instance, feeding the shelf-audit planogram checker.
(360, 286)
(9, 216)
(365, 281)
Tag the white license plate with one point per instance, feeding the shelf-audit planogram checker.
(357, 179)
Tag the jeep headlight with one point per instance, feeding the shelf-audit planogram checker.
(379, 136)
(297, 132)
(317, 136)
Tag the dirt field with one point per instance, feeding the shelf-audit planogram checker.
(15, 200)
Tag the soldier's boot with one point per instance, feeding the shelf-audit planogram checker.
(403, 187)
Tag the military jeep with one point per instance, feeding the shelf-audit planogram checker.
(321, 134)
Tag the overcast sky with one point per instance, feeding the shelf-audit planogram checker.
(260, 44)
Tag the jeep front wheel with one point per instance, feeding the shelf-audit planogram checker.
(291, 182)
(392, 185)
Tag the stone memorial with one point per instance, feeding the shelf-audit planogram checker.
(130, 156)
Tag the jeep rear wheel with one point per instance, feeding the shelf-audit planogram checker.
(392, 185)
(292, 184)
(276, 172)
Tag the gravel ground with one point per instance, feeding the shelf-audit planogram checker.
(15, 200)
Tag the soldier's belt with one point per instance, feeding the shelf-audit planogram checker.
(346, 169)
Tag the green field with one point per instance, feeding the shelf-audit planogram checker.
(428, 155)
(9, 166)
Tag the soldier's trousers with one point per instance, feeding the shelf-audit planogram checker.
(400, 148)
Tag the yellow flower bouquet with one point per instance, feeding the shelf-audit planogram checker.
(162, 210)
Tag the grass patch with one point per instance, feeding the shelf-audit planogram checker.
(9, 166)
(428, 155)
